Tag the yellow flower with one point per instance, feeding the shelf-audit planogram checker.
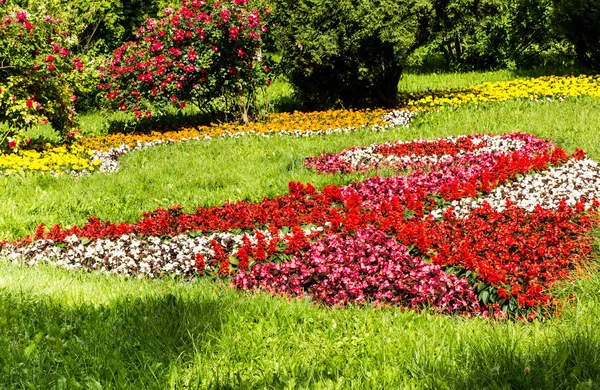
(537, 88)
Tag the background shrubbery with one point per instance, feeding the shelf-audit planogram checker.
(492, 34)
(344, 53)
(352, 53)
(347, 52)
(579, 22)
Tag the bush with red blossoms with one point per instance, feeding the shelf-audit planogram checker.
(34, 64)
(367, 266)
(205, 53)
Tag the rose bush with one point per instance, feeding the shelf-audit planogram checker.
(34, 62)
(201, 53)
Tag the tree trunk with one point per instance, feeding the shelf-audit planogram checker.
(243, 104)
(385, 89)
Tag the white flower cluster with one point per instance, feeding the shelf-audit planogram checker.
(367, 157)
(397, 118)
(572, 181)
(109, 160)
(497, 144)
(130, 255)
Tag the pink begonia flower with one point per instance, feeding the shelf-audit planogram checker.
(21, 16)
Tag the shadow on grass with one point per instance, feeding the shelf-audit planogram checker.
(162, 123)
(129, 343)
(569, 361)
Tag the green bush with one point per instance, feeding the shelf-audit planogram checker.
(579, 21)
(494, 34)
(95, 28)
(347, 52)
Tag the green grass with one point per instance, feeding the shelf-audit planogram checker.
(280, 98)
(444, 81)
(69, 330)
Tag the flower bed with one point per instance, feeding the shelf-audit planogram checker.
(56, 160)
(102, 153)
(386, 240)
(297, 123)
(547, 87)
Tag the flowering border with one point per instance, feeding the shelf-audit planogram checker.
(488, 260)
(102, 154)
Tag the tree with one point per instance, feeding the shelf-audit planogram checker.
(350, 52)
(579, 21)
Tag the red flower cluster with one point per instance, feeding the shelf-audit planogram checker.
(518, 253)
(351, 244)
(304, 205)
(367, 266)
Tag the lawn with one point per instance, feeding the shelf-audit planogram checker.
(61, 329)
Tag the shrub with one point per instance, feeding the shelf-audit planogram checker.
(198, 54)
(348, 52)
(34, 63)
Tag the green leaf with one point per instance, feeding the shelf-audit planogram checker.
(484, 297)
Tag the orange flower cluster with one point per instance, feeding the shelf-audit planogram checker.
(279, 123)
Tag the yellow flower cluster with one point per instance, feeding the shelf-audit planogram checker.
(76, 157)
(537, 88)
(303, 122)
(60, 159)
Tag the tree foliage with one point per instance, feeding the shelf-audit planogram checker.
(579, 21)
(100, 25)
(349, 52)
(492, 34)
